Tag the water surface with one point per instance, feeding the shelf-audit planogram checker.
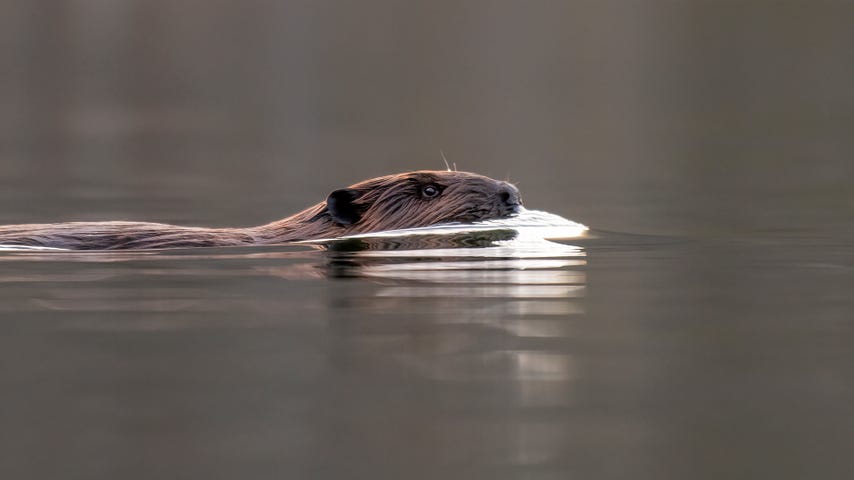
(623, 353)
(702, 329)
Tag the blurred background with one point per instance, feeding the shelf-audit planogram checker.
(662, 116)
(724, 351)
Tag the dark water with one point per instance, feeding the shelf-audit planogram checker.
(705, 330)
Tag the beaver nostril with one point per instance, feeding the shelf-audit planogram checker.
(509, 195)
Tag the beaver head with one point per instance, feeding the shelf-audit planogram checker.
(420, 199)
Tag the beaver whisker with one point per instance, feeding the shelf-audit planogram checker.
(445, 160)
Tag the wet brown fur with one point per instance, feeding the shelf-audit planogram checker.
(383, 203)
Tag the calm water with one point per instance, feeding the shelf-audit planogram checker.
(703, 329)
(621, 356)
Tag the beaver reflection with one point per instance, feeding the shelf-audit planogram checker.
(405, 200)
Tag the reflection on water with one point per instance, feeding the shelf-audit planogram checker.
(509, 283)
(449, 335)
(513, 353)
(500, 347)
(515, 260)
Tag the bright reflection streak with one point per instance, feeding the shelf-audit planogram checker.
(520, 365)
(527, 264)
(542, 277)
(533, 365)
(539, 307)
(520, 237)
(513, 260)
(509, 291)
(27, 248)
(534, 224)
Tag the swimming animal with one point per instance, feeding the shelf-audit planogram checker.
(404, 200)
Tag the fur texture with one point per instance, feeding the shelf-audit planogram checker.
(406, 200)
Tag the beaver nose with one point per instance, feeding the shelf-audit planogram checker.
(509, 195)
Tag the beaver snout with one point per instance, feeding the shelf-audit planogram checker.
(510, 198)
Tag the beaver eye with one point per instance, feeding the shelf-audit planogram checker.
(430, 191)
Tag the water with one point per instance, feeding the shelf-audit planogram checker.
(702, 327)
(514, 357)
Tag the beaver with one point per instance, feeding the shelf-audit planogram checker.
(404, 200)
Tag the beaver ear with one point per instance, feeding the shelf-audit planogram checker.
(341, 207)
